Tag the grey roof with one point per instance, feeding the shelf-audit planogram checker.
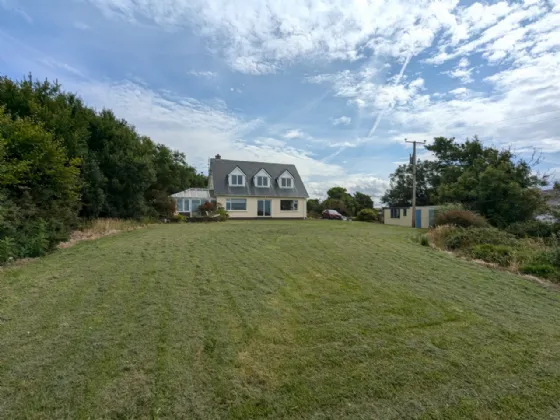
(221, 168)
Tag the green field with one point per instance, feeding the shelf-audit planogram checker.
(307, 319)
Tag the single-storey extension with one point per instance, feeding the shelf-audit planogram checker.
(402, 216)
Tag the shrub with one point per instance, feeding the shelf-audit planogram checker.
(178, 218)
(540, 270)
(367, 215)
(424, 241)
(208, 206)
(223, 214)
(498, 254)
(531, 229)
(461, 218)
(461, 238)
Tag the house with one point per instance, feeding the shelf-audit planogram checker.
(402, 216)
(249, 190)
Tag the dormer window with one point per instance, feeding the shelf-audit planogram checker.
(262, 179)
(236, 178)
(286, 180)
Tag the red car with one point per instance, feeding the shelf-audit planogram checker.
(332, 214)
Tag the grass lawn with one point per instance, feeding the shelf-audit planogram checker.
(307, 319)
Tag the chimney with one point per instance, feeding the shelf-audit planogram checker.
(218, 157)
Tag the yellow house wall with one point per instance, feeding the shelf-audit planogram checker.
(274, 207)
(402, 221)
(407, 220)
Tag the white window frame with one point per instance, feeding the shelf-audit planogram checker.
(229, 200)
(265, 184)
(237, 178)
(288, 180)
(296, 205)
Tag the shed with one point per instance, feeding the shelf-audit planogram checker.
(402, 216)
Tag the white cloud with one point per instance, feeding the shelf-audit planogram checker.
(344, 120)
(259, 36)
(205, 74)
(294, 134)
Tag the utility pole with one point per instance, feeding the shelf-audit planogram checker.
(413, 162)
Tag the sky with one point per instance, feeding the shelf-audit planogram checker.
(332, 86)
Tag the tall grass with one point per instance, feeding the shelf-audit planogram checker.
(97, 228)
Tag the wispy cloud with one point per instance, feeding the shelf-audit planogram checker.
(205, 74)
(344, 120)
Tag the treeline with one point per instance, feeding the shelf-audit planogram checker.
(62, 161)
(494, 183)
(339, 199)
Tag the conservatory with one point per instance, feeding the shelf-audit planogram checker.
(189, 201)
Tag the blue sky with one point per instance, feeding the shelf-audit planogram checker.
(333, 86)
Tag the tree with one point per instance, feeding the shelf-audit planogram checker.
(336, 204)
(362, 201)
(341, 194)
(400, 192)
(39, 186)
(314, 206)
(495, 183)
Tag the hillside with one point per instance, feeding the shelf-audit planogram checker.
(275, 319)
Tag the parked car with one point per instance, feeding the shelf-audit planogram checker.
(332, 214)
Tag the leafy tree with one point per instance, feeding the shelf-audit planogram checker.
(341, 194)
(400, 192)
(314, 206)
(39, 186)
(62, 160)
(491, 182)
(338, 205)
(362, 201)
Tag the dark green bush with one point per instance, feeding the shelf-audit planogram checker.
(540, 270)
(461, 238)
(367, 215)
(460, 218)
(531, 229)
(498, 254)
(424, 241)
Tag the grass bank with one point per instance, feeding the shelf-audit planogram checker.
(274, 319)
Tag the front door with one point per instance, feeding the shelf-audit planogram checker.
(263, 208)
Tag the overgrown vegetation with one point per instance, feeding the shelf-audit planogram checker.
(461, 218)
(61, 161)
(536, 256)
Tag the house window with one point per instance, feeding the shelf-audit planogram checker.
(236, 204)
(286, 182)
(287, 205)
(262, 181)
(179, 204)
(236, 180)
(404, 212)
(395, 213)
